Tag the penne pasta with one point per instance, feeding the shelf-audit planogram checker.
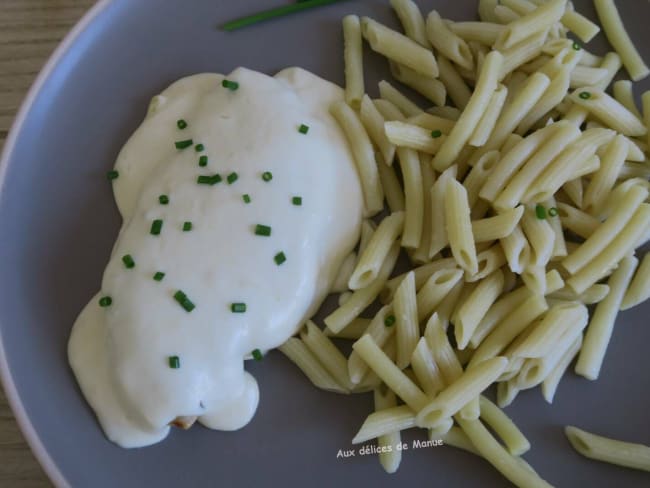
(391, 94)
(389, 456)
(504, 427)
(406, 325)
(405, 135)
(326, 353)
(603, 180)
(489, 118)
(430, 88)
(552, 380)
(380, 333)
(412, 20)
(353, 59)
(385, 421)
(447, 43)
(483, 32)
(441, 350)
(354, 330)
(373, 121)
(414, 198)
(521, 53)
(639, 289)
(516, 250)
(540, 236)
(455, 85)
(426, 370)
(459, 227)
(624, 94)
(538, 20)
(498, 226)
(301, 356)
(392, 188)
(435, 290)
(439, 236)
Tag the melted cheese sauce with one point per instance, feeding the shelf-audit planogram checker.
(120, 354)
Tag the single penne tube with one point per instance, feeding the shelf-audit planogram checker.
(539, 20)
(398, 47)
(577, 221)
(360, 299)
(620, 40)
(574, 189)
(447, 43)
(392, 188)
(414, 198)
(504, 427)
(412, 20)
(441, 350)
(559, 243)
(432, 122)
(402, 134)
(430, 88)
(510, 327)
(508, 465)
(602, 322)
(521, 53)
(459, 227)
(603, 180)
(426, 370)
(604, 233)
(462, 131)
(512, 160)
(608, 110)
(389, 457)
(381, 333)
(373, 121)
(385, 421)
(540, 236)
(435, 290)
(391, 94)
(422, 274)
(467, 290)
(639, 289)
(489, 118)
(407, 329)
(421, 254)
(354, 330)
(386, 369)
(552, 380)
(507, 391)
(364, 155)
(489, 260)
(498, 226)
(468, 386)
(340, 284)
(455, 437)
(439, 234)
(374, 255)
(516, 250)
(547, 332)
(479, 174)
(628, 454)
(455, 85)
(586, 75)
(368, 228)
(563, 134)
(593, 294)
(353, 60)
(326, 353)
(447, 112)
(301, 356)
(476, 306)
(386, 108)
(554, 94)
(624, 94)
(483, 32)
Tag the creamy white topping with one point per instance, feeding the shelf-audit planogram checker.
(120, 354)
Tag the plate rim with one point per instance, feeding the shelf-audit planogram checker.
(28, 430)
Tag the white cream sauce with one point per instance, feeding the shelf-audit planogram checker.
(120, 354)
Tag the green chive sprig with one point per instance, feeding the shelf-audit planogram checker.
(239, 307)
(199, 148)
(174, 362)
(262, 230)
(297, 201)
(540, 212)
(183, 301)
(187, 226)
(257, 355)
(246, 197)
(156, 227)
(552, 212)
(209, 180)
(436, 133)
(163, 199)
(267, 176)
(230, 85)
(279, 258)
(105, 301)
(183, 144)
(390, 321)
(181, 124)
(113, 175)
(585, 95)
(303, 129)
(203, 161)
(128, 261)
(275, 13)
(158, 276)
(232, 177)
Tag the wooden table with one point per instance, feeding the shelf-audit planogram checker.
(29, 32)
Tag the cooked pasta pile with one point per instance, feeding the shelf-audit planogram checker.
(522, 199)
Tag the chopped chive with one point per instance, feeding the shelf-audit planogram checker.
(231, 85)
(262, 230)
(128, 261)
(540, 212)
(199, 147)
(159, 276)
(184, 302)
(163, 199)
(183, 144)
(156, 227)
(203, 161)
(436, 133)
(174, 362)
(274, 13)
(585, 95)
(553, 212)
(237, 307)
(279, 258)
(303, 129)
(267, 176)
(389, 321)
(296, 201)
(576, 46)
(232, 177)
(257, 355)
(105, 301)
(112, 175)
(187, 226)
(181, 124)
(246, 197)
(209, 180)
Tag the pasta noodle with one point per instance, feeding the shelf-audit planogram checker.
(353, 57)
(447, 43)
(412, 20)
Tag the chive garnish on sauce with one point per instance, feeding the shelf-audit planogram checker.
(267, 176)
(199, 147)
(174, 362)
(158, 276)
(232, 177)
(156, 227)
(279, 258)
(183, 144)
(257, 355)
(163, 199)
(183, 301)
(238, 307)
(203, 161)
(297, 201)
(262, 230)
(231, 85)
(303, 129)
(209, 180)
(112, 175)
(246, 197)
(105, 301)
(187, 226)
(274, 13)
(128, 261)
(181, 124)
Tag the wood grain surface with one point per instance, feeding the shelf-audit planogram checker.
(29, 32)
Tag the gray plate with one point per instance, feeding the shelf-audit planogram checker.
(58, 223)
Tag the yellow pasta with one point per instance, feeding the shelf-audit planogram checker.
(373, 121)
(302, 357)
(489, 118)
(392, 187)
(411, 136)
(353, 57)
(414, 198)
(412, 20)
(430, 88)
(639, 289)
(406, 324)
(389, 457)
(390, 93)
(538, 20)
(447, 43)
(498, 226)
